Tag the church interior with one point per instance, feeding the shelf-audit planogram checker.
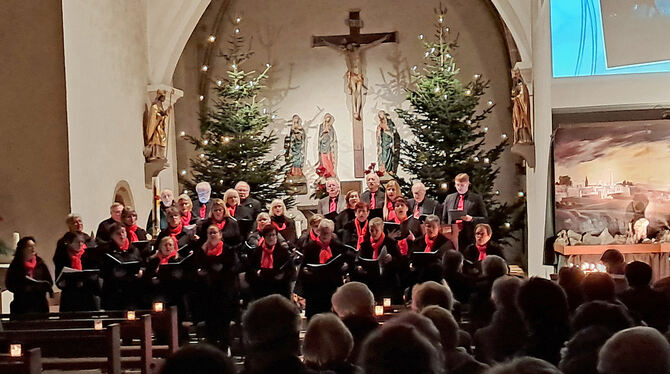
(243, 173)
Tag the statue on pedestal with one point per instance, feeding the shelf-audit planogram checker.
(521, 109)
(327, 146)
(388, 144)
(295, 145)
(155, 133)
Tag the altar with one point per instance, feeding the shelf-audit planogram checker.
(657, 255)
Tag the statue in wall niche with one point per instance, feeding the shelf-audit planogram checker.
(388, 144)
(521, 109)
(295, 145)
(155, 133)
(327, 146)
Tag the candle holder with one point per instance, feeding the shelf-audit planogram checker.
(15, 350)
(97, 324)
(379, 310)
(130, 315)
(158, 307)
(387, 302)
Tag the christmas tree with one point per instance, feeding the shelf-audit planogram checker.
(446, 120)
(235, 144)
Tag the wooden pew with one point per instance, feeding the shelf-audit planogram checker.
(164, 324)
(139, 329)
(63, 349)
(29, 363)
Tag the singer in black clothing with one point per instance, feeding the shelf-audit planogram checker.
(472, 205)
(271, 269)
(29, 279)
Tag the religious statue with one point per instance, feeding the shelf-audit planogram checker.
(155, 135)
(354, 75)
(295, 145)
(327, 146)
(388, 144)
(521, 109)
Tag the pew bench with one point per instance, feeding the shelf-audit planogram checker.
(63, 349)
(29, 363)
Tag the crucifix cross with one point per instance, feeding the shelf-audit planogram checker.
(352, 46)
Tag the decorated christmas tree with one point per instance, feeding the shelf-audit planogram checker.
(235, 143)
(446, 118)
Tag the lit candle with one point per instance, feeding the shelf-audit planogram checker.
(158, 307)
(387, 302)
(97, 324)
(15, 350)
(379, 310)
(130, 315)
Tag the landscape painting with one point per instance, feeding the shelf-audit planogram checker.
(610, 175)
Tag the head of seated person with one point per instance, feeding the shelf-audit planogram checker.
(614, 317)
(638, 350)
(580, 354)
(494, 267)
(431, 293)
(327, 342)
(353, 299)
(400, 349)
(543, 305)
(453, 262)
(599, 286)
(614, 261)
(525, 365)
(271, 327)
(504, 292)
(638, 274)
(445, 323)
(200, 358)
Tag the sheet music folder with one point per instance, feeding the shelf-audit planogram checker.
(74, 277)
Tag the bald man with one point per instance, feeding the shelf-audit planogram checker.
(167, 200)
(374, 195)
(420, 204)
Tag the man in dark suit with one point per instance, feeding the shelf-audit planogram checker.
(331, 205)
(420, 204)
(246, 200)
(472, 205)
(376, 204)
(103, 235)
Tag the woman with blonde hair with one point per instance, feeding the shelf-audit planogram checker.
(328, 344)
(221, 218)
(392, 193)
(185, 206)
(284, 224)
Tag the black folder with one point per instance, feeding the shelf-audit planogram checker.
(174, 270)
(455, 214)
(377, 212)
(421, 260)
(122, 269)
(78, 278)
(391, 226)
(372, 267)
(333, 266)
(331, 216)
(245, 225)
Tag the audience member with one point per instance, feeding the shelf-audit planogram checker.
(612, 316)
(544, 308)
(644, 303)
(580, 355)
(456, 360)
(639, 350)
(271, 335)
(615, 264)
(599, 286)
(570, 279)
(198, 358)
(481, 307)
(431, 293)
(460, 284)
(525, 365)
(354, 303)
(506, 334)
(327, 345)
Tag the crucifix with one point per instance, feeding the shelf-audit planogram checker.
(352, 46)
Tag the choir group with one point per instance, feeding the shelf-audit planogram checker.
(195, 262)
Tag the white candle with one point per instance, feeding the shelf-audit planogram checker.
(158, 307)
(97, 324)
(379, 310)
(15, 350)
(130, 315)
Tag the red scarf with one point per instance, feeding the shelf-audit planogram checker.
(75, 258)
(312, 235)
(279, 228)
(482, 251)
(232, 210)
(30, 266)
(325, 253)
(360, 232)
(203, 211)
(174, 232)
(429, 243)
(164, 260)
(391, 212)
(402, 244)
(267, 261)
(213, 251)
(186, 220)
(376, 244)
(132, 235)
(221, 224)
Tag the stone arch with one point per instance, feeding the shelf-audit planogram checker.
(123, 194)
(517, 19)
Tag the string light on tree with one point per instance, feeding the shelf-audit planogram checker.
(238, 20)
(490, 102)
(219, 82)
(201, 98)
(477, 76)
(420, 36)
(237, 31)
(521, 194)
(183, 172)
(183, 133)
(204, 68)
(211, 39)
(205, 142)
(504, 136)
(486, 129)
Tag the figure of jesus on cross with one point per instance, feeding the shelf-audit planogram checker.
(352, 46)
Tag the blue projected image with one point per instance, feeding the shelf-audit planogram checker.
(585, 36)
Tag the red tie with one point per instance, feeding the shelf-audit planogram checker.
(461, 206)
(417, 211)
(333, 205)
(203, 211)
(372, 200)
